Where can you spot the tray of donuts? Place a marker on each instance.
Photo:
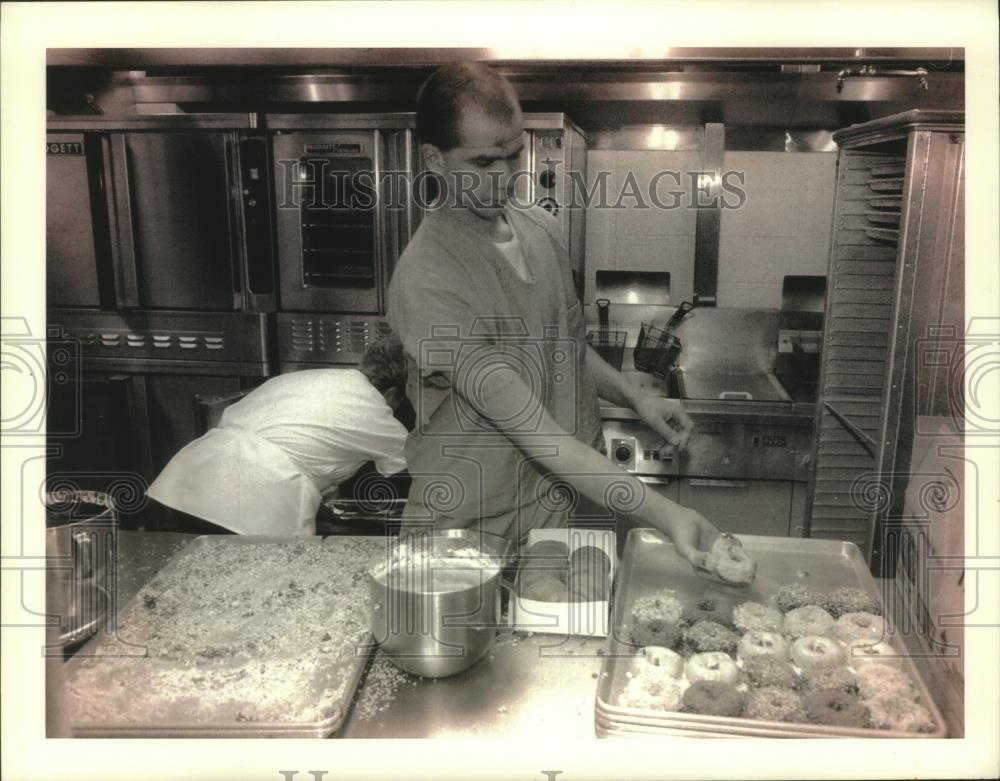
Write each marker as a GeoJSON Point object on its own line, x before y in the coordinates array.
{"type": "Point", "coordinates": [802, 651]}
{"type": "Point", "coordinates": [564, 581]}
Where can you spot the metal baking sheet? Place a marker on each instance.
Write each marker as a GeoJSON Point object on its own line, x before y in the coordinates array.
{"type": "Point", "coordinates": [358, 551]}
{"type": "Point", "coordinates": [650, 563]}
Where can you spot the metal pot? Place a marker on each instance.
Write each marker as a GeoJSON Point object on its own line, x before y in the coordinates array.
{"type": "Point", "coordinates": [80, 548]}
{"type": "Point", "coordinates": [437, 621]}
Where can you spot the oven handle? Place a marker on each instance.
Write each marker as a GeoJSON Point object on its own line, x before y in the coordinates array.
{"type": "Point", "coordinates": [711, 483]}
{"type": "Point", "coordinates": [122, 228]}
{"type": "Point", "coordinates": [655, 480]}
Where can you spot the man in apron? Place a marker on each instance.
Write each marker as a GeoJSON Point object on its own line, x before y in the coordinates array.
{"type": "Point", "coordinates": [504, 385]}
{"type": "Point", "coordinates": [266, 466]}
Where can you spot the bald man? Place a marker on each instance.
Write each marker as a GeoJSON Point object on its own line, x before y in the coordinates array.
{"type": "Point", "coordinates": [503, 382]}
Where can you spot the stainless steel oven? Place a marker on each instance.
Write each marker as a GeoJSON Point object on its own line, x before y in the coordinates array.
{"type": "Point", "coordinates": [343, 216]}
{"type": "Point", "coordinates": [159, 213]}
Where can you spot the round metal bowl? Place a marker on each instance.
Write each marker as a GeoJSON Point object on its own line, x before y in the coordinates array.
{"type": "Point", "coordinates": [439, 620]}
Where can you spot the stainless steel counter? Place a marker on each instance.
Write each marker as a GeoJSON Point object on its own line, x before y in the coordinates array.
{"type": "Point", "coordinates": [527, 686]}
{"type": "Point", "coordinates": [527, 683]}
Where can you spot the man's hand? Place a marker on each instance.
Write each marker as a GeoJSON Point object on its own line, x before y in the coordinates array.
{"type": "Point", "coordinates": [692, 535]}
{"type": "Point", "coordinates": [666, 417]}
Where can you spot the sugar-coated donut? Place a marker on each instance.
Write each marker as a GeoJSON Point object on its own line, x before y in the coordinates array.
{"type": "Point", "coordinates": [663, 604]}
{"type": "Point", "coordinates": [669, 663]}
{"type": "Point", "coordinates": [714, 698]}
{"type": "Point", "coordinates": [807, 620]}
{"type": "Point", "coordinates": [893, 711]}
{"type": "Point", "coordinates": [753, 615]}
{"type": "Point", "coordinates": [774, 703]}
{"type": "Point", "coordinates": [864, 628]}
{"type": "Point", "coordinates": [813, 652]}
{"type": "Point", "coordinates": [651, 692]}
{"type": "Point", "coordinates": [836, 708]}
{"type": "Point", "coordinates": [709, 636]}
{"type": "Point", "coordinates": [878, 678]}
{"type": "Point", "coordinates": [656, 631]}
{"type": "Point", "coordinates": [793, 595]}
{"type": "Point", "coordinates": [850, 600]}
{"type": "Point", "coordinates": [710, 608]}
{"type": "Point", "coordinates": [760, 643]}
{"type": "Point", "coordinates": [728, 560]}
{"type": "Point", "coordinates": [656, 619]}
{"type": "Point", "coordinates": [839, 678]}
{"type": "Point", "coordinates": [770, 671]}
{"type": "Point", "coordinates": [712, 666]}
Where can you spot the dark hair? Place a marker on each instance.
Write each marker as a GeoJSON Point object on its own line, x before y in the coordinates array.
{"type": "Point", "coordinates": [384, 363]}
{"type": "Point", "coordinates": [450, 90]}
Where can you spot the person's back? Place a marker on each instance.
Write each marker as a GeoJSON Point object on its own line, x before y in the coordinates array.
{"type": "Point", "coordinates": [326, 420]}
{"type": "Point", "coordinates": [264, 468]}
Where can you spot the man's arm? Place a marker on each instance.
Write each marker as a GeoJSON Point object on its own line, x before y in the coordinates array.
{"type": "Point", "coordinates": [665, 416]}
{"type": "Point", "coordinates": [579, 465]}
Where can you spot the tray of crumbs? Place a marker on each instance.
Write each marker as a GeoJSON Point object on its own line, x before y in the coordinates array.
{"type": "Point", "coordinates": [235, 637]}
{"type": "Point", "coordinates": [802, 652]}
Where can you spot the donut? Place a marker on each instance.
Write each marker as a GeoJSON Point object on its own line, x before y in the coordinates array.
{"type": "Point", "coordinates": [865, 628]}
{"type": "Point", "coordinates": [895, 712]}
{"type": "Point", "coordinates": [836, 709]}
{"type": "Point", "coordinates": [668, 662]}
{"type": "Point", "coordinates": [753, 615]}
{"type": "Point", "coordinates": [708, 636]}
{"type": "Point", "coordinates": [593, 556]}
{"type": "Point", "coordinates": [808, 620]}
{"type": "Point", "coordinates": [760, 643]}
{"type": "Point", "coordinates": [839, 678]}
{"type": "Point", "coordinates": [770, 671]}
{"type": "Point", "coordinates": [710, 608]}
{"type": "Point", "coordinates": [712, 666]}
{"type": "Point", "coordinates": [813, 652]}
{"type": "Point", "coordinates": [793, 595]}
{"type": "Point", "coordinates": [527, 577]}
{"type": "Point", "coordinates": [656, 619]}
{"type": "Point", "coordinates": [878, 678]}
{"type": "Point", "coordinates": [588, 582]}
{"type": "Point", "coordinates": [546, 589]}
{"type": "Point", "coordinates": [850, 600]}
{"type": "Point", "coordinates": [728, 561]}
{"type": "Point", "coordinates": [663, 604]}
{"type": "Point", "coordinates": [556, 549]}
{"type": "Point", "coordinates": [774, 703]}
{"type": "Point", "coordinates": [713, 698]}
{"type": "Point", "coordinates": [651, 692]}
{"type": "Point", "coordinates": [655, 631]}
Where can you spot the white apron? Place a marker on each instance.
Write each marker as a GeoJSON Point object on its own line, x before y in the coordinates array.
{"type": "Point", "coordinates": [244, 483]}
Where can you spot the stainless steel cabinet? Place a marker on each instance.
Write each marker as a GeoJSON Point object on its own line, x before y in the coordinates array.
{"type": "Point", "coordinates": [741, 506]}
{"type": "Point", "coordinates": [892, 311]}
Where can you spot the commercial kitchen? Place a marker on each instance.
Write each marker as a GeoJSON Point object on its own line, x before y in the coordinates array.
{"type": "Point", "coordinates": [805, 303]}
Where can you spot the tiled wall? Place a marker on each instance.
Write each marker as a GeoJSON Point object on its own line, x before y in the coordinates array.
{"type": "Point", "coordinates": [636, 239]}
{"type": "Point", "coordinates": [784, 227]}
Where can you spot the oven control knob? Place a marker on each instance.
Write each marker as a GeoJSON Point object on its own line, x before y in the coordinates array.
{"type": "Point", "coordinates": [547, 179]}
{"type": "Point", "coordinates": [623, 453]}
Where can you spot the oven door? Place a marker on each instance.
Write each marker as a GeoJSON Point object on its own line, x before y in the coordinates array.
{"type": "Point", "coordinates": [77, 246]}
{"type": "Point", "coordinates": [177, 223]}
{"type": "Point", "coordinates": [330, 220]}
